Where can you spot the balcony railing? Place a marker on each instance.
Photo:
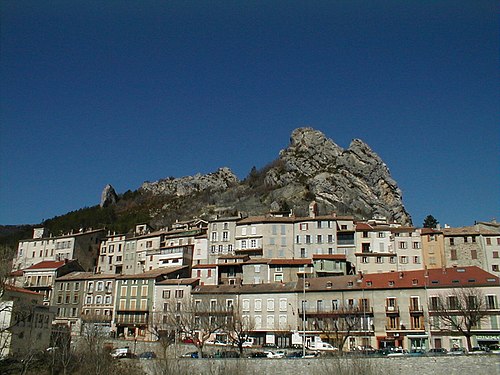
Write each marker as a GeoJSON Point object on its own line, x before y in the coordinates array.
{"type": "Point", "coordinates": [324, 311]}
{"type": "Point", "coordinates": [392, 309]}
{"type": "Point", "coordinates": [416, 309]}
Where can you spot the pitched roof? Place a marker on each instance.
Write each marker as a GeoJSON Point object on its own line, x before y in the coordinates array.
{"type": "Point", "coordinates": [329, 256]}
{"type": "Point", "coordinates": [47, 265]}
{"type": "Point", "coordinates": [289, 262]}
{"type": "Point", "coordinates": [189, 281]}
{"type": "Point", "coordinates": [153, 273]}
{"type": "Point", "coordinates": [77, 275]}
{"type": "Point", "coordinates": [17, 289]}
{"type": "Point", "coordinates": [431, 278]}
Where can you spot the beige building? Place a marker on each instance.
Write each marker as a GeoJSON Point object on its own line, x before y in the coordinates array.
{"type": "Point", "coordinates": [432, 248]}
{"type": "Point", "coordinates": [82, 246]}
{"type": "Point", "coordinates": [25, 323]}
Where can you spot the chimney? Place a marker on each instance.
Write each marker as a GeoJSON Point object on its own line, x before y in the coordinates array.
{"type": "Point", "coordinates": [313, 209]}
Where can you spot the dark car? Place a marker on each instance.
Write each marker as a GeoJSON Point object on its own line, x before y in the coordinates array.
{"type": "Point", "coordinates": [190, 355]}
{"type": "Point", "coordinates": [437, 351]}
{"type": "Point", "coordinates": [294, 355]}
{"type": "Point", "coordinates": [147, 355]}
{"type": "Point", "coordinates": [258, 355]}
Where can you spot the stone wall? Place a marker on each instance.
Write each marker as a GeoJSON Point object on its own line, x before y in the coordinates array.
{"type": "Point", "coordinates": [449, 365]}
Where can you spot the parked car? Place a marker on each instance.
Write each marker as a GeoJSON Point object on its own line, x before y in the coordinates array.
{"type": "Point", "coordinates": [121, 353]}
{"type": "Point", "coordinates": [294, 355]}
{"type": "Point", "coordinates": [457, 351]}
{"type": "Point", "coordinates": [437, 351]}
{"type": "Point", "coordinates": [258, 355]}
{"type": "Point", "coordinates": [494, 348]}
{"type": "Point", "coordinates": [147, 355]}
{"type": "Point", "coordinates": [398, 353]}
{"type": "Point", "coordinates": [190, 355]}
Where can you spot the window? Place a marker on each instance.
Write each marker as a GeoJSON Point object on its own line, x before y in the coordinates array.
{"type": "Point", "coordinates": [379, 260]}
{"type": "Point", "coordinates": [452, 302]}
{"type": "Point", "coordinates": [365, 247]}
{"type": "Point", "coordinates": [303, 226]}
{"type": "Point", "coordinates": [133, 291]}
{"type": "Point", "coordinates": [452, 241]}
{"type": "Point", "coordinates": [246, 305]}
{"type": "Point", "coordinates": [98, 300]}
{"type": "Point", "coordinates": [495, 254]}
{"type": "Point", "coordinates": [214, 236]}
{"type": "Point", "coordinates": [416, 259]}
{"type": "Point", "coordinates": [330, 238]}
{"type": "Point", "coordinates": [270, 304]}
{"type": "Point", "coordinates": [243, 244]}
{"type": "Point", "coordinates": [303, 253]}
{"type": "Point", "coordinates": [319, 238]}
{"type": "Point", "coordinates": [278, 277]}
{"type": "Point", "coordinates": [308, 239]}
{"type": "Point", "coordinates": [365, 235]}
{"type": "Point", "coordinates": [258, 305]}
{"type": "Point", "coordinates": [283, 304]}
{"type": "Point", "coordinates": [88, 300]}
{"type": "Point", "coordinates": [253, 244]}
{"type": "Point", "coordinates": [495, 268]}
{"type": "Point", "coordinates": [179, 293]}
{"type": "Point", "coordinates": [403, 245]}
{"type": "Point", "coordinates": [225, 236]}
{"type": "Point", "coordinates": [144, 291]}
{"type": "Point", "coordinates": [473, 253]}
{"type": "Point", "coordinates": [403, 259]}
{"type": "Point", "coordinates": [166, 294]}
{"type": "Point", "coordinates": [107, 300]}
{"type": "Point", "coordinates": [491, 302]}
{"type": "Point", "coordinates": [416, 245]}
{"type": "Point", "coordinates": [453, 254]}
{"type": "Point", "coordinates": [381, 234]}
{"type": "Point", "coordinates": [392, 260]}
{"type": "Point", "coordinates": [364, 260]}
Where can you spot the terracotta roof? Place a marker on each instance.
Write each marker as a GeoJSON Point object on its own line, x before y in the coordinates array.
{"type": "Point", "coordinates": [204, 266]}
{"type": "Point", "coordinates": [329, 256]}
{"type": "Point", "coordinates": [430, 231]}
{"type": "Point", "coordinates": [363, 227]}
{"type": "Point", "coordinates": [266, 219]}
{"type": "Point", "coordinates": [47, 264]}
{"type": "Point", "coordinates": [17, 273]}
{"type": "Point", "coordinates": [447, 277]}
{"type": "Point", "coordinates": [17, 289]}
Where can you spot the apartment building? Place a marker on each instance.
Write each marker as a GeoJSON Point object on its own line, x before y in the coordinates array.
{"type": "Point", "coordinates": [134, 301]}
{"type": "Point", "coordinates": [384, 247]}
{"type": "Point", "coordinates": [25, 322]}
{"type": "Point", "coordinates": [381, 310]}
{"type": "Point", "coordinates": [472, 246]}
{"type": "Point", "coordinates": [111, 254]}
{"type": "Point", "coordinates": [82, 245]}
{"type": "Point", "coordinates": [221, 236]}
{"type": "Point", "coordinates": [41, 277]}
{"type": "Point", "coordinates": [432, 248]}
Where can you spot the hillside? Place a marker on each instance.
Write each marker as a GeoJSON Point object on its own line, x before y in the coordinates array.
{"type": "Point", "coordinates": [352, 181]}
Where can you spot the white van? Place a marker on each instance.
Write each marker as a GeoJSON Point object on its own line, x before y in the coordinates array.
{"type": "Point", "coordinates": [320, 345]}
{"type": "Point", "coordinates": [121, 352]}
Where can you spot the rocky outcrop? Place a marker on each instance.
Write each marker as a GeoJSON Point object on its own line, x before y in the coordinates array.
{"type": "Point", "coordinates": [108, 196]}
{"type": "Point", "coordinates": [220, 180]}
{"type": "Point", "coordinates": [354, 181]}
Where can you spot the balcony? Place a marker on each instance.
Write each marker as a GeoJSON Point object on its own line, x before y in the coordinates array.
{"type": "Point", "coordinates": [416, 310]}
{"type": "Point", "coordinates": [392, 310]}
{"type": "Point", "coordinates": [131, 318]}
{"type": "Point", "coordinates": [329, 312]}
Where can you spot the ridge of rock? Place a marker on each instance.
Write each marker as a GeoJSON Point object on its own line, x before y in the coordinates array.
{"type": "Point", "coordinates": [220, 180]}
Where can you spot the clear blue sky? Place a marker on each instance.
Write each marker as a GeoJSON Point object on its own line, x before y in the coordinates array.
{"type": "Point", "coordinates": [120, 92]}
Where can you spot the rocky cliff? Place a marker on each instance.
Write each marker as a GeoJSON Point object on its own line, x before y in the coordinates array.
{"type": "Point", "coordinates": [353, 181]}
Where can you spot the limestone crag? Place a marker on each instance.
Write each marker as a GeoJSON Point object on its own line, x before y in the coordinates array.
{"type": "Point", "coordinates": [354, 180]}
{"type": "Point", "coordinates": [220, 180]}
{"type": "Point", "coordinates": [108, 196]}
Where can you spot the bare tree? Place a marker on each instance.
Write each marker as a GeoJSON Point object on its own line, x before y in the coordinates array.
{"type": "Point", "coordinates": [338, 325]}
{"type": "Point", "coordinates": [92, 350]}
{"type": "Point", "coordinates": [458, 312]}
{"type": "Point", "coordinates": [238, 326]}
{"type": "Point", "coordinates": [198, 321]}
